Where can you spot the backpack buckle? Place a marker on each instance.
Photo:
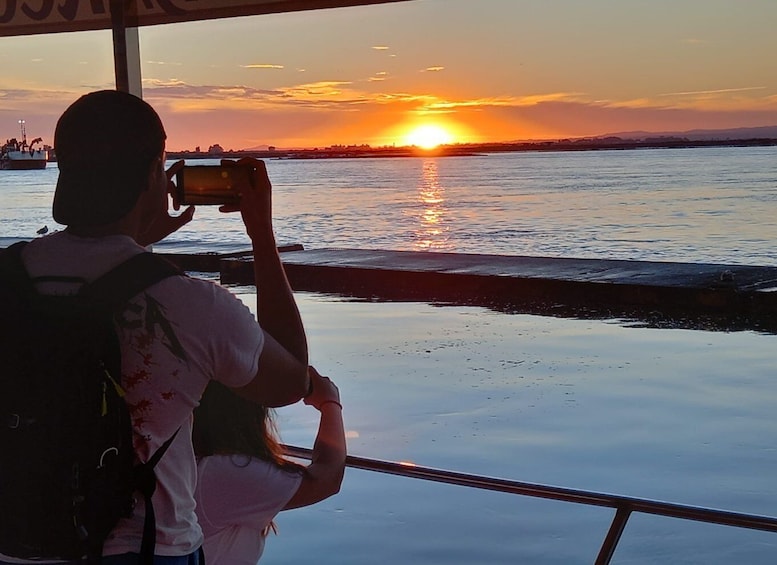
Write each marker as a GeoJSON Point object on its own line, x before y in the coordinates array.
{"type": "Point", "coordinates": [109, 451]}
{"type": "Point", "coordinates": [14, 420]}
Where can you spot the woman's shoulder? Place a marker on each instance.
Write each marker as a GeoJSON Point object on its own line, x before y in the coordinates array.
{"type": "Point", "coordinates": [238, 487]}
{"type": "Point", "coordinates": [245, 467]}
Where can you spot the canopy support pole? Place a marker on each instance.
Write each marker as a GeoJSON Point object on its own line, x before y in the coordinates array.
{"type": "Point", "coordinates": [126, 51]}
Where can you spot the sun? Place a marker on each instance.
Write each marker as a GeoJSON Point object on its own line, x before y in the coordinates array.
{"type": "Point", "coordinates": [428, 136]}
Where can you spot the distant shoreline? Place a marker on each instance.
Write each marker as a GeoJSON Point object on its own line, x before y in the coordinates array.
{"type": "Point", "coordinates": [473, 149]}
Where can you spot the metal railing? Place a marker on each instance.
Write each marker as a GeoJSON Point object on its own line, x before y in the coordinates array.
{"type": "Point", "coordinates": [624, 506]}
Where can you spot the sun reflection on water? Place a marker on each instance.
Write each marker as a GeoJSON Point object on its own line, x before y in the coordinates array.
{"type": "Point", "coordinates": [431, 233]}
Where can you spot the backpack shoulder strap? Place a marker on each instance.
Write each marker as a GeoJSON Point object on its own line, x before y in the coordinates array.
{"type": "Point", "coordinates": [109, 292]}
{"type": "Point", "coordinates": [13, 275]}
{"type": "Point", "coordinates": [112, 289]}
{"type": "Point", "coordinates": [145, 480]}
{"type": "Point", "coordinates": [123, 282]}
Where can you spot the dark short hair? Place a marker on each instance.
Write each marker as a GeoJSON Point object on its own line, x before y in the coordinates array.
{"type": "Point", "coordinates": [105, 143]}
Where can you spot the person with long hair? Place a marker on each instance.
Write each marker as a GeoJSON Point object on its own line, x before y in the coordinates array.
{"type": "Point", "coordinates": [243, 478]}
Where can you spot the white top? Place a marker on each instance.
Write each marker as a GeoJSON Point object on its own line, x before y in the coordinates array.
{"type": "Point", "coordinates": [175, 337]}
{"type": "Point", "coordinates": [237, 498]}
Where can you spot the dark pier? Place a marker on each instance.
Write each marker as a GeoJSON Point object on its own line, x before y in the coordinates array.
{"type": "Point", "coordinates": [658, 294]}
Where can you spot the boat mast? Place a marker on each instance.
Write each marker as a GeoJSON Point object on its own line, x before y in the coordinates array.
{"type": "Point", "coordinates": [24, 133]}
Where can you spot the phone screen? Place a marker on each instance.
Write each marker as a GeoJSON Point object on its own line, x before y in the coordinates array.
{"type": "Point", "coordinates": [211, 184]}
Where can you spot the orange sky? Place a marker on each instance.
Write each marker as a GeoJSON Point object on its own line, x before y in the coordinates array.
{"type": "Point", "coordinates": [491, 70]}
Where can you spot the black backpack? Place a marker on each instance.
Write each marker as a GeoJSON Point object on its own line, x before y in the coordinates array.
{"type": "Point", "coordinates": [67, 469]}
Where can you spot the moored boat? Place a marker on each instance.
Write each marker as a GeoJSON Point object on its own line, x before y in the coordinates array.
{"type": "Point", "coordinates": [20, 155]}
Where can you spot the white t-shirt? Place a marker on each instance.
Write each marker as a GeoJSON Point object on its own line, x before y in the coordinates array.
{"type": "Point", "coordinates": [237, 498]}
{"type": "Point", "coordinates": [175, 337]}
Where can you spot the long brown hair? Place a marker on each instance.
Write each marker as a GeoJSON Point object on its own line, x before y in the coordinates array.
{"type": "Point", "coordinates": [226, 423]}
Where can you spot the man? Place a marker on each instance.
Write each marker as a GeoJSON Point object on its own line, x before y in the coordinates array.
{"type": "Point", "coordinates": [112, 196]}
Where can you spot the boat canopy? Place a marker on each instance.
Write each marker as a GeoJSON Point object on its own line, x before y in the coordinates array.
{"type": "Point", "coordinates": [31, 17]}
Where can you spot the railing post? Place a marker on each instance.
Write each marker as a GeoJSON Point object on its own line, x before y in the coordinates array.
{"type": "Point", "coordinates": [613, 535]}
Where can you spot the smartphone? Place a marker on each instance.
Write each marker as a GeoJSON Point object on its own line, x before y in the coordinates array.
{"type": "Point", "coordinates": [211, 184]}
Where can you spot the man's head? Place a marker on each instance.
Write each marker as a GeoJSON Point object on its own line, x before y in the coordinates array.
{"type": "Point", "coordinates": [106, 143]}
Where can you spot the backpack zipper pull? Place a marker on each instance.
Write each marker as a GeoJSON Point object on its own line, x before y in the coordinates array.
{"type": "Point", "coordinates": [116, 386]}
{"type": "Point", "coordinates": [119, 390]}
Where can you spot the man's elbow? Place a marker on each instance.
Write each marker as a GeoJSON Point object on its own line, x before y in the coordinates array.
{"type": "Point", "coordinates": [276, 386]}
{"type": "Point", "coordinates": [296, 385]}
{"type": "Point", "coordinates": [303, 384]}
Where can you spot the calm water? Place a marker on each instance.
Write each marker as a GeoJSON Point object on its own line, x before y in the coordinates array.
{"type": "Point", "coordinates": [677, 415]}
{"type": "Point", "coordinates": [700, 205]}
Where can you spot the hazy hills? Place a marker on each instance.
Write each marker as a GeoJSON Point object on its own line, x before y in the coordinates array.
{"type": "Point", "coordinates": [763, 132]}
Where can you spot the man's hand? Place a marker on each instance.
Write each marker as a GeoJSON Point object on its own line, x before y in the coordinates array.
{"type": "Point", "coordinates": [165, 224]}
{"type": "Point", "coordinates": [255, 201]}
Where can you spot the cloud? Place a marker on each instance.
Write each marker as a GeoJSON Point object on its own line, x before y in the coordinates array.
{"type": "Point", "coordinates": [175, 89]}
{"type": "Point", "coordinates": [36, 96]}
{"type": "Point", "coordinates": [164, 63]}
{"type": "Point", "coordinates": [432, 69]}
{"type": "Point", "coordinates": [380, 47]}
{"type": "Point", "coordinates": [322, 89]}
{"type": "Point", "coordinates": [340, 95]}
{"type": "Point", "coordinates": [261, 66]}
{"type": "Point", "coordinates": [634, 103]}
{"type": "Point", "coordinates": [730, 99]}
{"type": "Point", "coordinates": [48, 105]}
{"type": "Point", "coordinates": [180, 96]}
{"type": "Point", "coordinates": [718, 91]}
{"type": "Point", "coordinates": [436, 105]}
{"type": "Point", "coordinates": [346, 111]}
{"type": "Point", "coordinates": [578, 119]}
{"type": "Point", "coordinates": [719, 99]}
